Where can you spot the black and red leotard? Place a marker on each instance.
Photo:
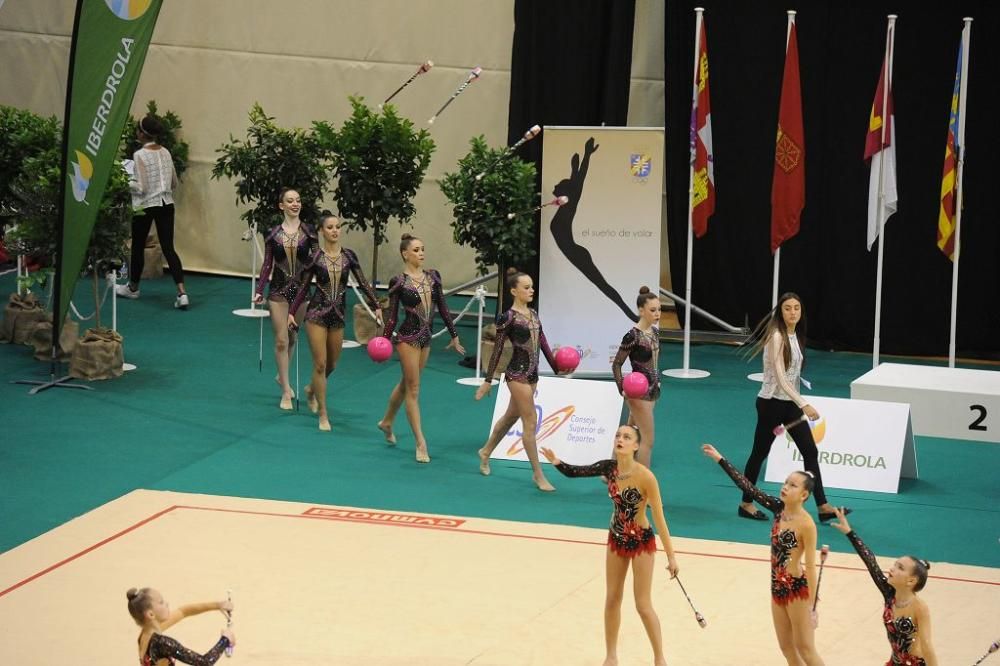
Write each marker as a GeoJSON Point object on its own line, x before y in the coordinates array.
{"type": "Point", "coordinates": [419, 297]}
{"type": "Point", "coordinates": [785, 588]}
{"type": "Point", "coordinates": [900, 630]}
{"type": "Point", "coordinates": [643, 351]}
{"type": "Point", "coordinates": [328, 304]}
{"type": "Point", "coordinates": [284, 256]}
{"type": "Point", "coordinates": [626, 535]}
{"type": "Point", "coordinates": [163, 647]}
{"type": "Point", "coordinates": [526, 338]}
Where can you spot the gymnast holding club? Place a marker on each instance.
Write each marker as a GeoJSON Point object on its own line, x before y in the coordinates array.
{"type": "Point", "coordinates": [151, 612]}
{"type": "Point", "coordinates": [793, 582]}
{"type": "Point", "coordinates": [633, 489]}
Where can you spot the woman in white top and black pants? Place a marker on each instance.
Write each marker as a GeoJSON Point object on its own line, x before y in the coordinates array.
{"type": "Point", "coordinates": [779, 401]}
{"type": "Point", "coordinates": [152, 187]}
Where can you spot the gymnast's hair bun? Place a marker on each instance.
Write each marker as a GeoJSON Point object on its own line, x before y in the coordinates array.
{"type": "Point", "coordinates": [643, 289]}
{"type": "Point", "coordinates": [406, 237]}
{"type": "Point", "coordinates": [132, 594]}
{"type": "Point", "coordinates": [512, 271]}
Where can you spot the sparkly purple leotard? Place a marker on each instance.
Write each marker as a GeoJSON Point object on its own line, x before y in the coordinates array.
{"type": "Point", "coordinates": [785, 588]}
{"type": "Point", "coordinates": [165, 648]}
{"type": "Point", "coordinates": [284, 256]}
{"type": "Point", "coordinates": [419, 297]}
{"type": "Point", "coordinates": [900, 630]}
{"type": "Point", "coordinates": [626, 536]}
{"type": "Point", "coordinates": [643, 351]}
{"type": "Point", "coordinates": [329, 300]}
{"type": "Point", "coordinates": [526, 338]}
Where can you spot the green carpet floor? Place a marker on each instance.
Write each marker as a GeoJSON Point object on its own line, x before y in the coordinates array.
{"type": "Point", "coordinates": [197, 416]}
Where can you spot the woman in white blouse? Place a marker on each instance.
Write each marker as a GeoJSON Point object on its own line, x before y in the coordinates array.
{"type": "Point", "coordinates": [152, 184]}
{"type": "Point", "coordinates": [779, 402]}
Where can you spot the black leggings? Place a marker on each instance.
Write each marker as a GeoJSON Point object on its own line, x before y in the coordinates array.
{"type": "Point", "coordinates": [163, 217]}
{"type": "Point", "coordinates": [770, 413]}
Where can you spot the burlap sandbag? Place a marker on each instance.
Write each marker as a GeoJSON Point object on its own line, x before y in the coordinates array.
{"type": "Point", "coordinates": [97, 355]}
{"type": "Point", "coordinates": [19, 317]}
{"type": "Point", "coordinates": [41, 339]}
{"type": "Point", "coordinates": [365, 327]}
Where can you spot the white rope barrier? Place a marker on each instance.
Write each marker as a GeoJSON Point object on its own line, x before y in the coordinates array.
{"type": "Point", "coordinates": [100, 304]}
{"type": "Point", "coordinates": [461, 314]}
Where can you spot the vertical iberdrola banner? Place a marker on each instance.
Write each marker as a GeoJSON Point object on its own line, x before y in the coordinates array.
{"type": "Point", "coordinates": [110, 40]}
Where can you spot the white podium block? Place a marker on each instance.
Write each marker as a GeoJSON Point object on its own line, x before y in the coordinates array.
{"type": "Point", "coordinates": [863, 445]}
{"type": "Point", "coordinates": [577, 418]}
{"type": "Point", "coordinates": [957, 403]}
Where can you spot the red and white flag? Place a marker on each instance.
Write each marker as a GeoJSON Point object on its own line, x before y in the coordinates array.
{"type": "Point", "coordinates": [703, 197]}
{"type": "Point", "coordinates": [882, 153]}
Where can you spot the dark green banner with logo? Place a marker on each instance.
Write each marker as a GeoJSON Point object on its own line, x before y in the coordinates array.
{"type": "Point", "coordinates": [110, 40]}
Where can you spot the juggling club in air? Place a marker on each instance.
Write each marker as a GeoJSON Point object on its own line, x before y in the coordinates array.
{"type": "Point", "coordinates": [558, 201]}
{"type": "Point", "coordinates": [423, 69]}
{"type": "Point", "coordinates": [528, 136]}
{"type": "Point", "coordinates": [473, 75]}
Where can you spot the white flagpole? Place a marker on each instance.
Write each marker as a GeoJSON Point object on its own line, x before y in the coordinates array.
{"type": "Point", "coordinates": [686, 372]}
{"type": "Point", "coordinates": [966, 40]}
{"type": "Point", "coordinates": [890, 37]}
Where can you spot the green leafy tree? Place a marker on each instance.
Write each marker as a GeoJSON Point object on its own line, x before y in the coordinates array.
{"type": "Point", "coordinates": [380, 162]}
{"type": "Point", "coordinates": [480, 207]}
{"type": "Point", "coordinates": [23, 136]}
{"type": "Point", "coordinates": [37, 190]}
{"type": "Point", "coordinates": [171, 125]}
{"type": "Point", "coordinates": [269, 159]}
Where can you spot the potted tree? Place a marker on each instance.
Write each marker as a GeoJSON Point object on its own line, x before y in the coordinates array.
{"type": "Point", "coordinates": [379, 160]}
{"type": "Point", "coordinates": [272, 157]}
{"type": "Point", "coordinates": [37, 190]}
{"type": "Point", "coordinates": [480, 209]}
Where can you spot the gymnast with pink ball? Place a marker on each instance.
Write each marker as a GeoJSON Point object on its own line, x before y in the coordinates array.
{"type": "Point", "coordinates": [641, 387]}
{"type": "Point", "coordinates": [521, 325]}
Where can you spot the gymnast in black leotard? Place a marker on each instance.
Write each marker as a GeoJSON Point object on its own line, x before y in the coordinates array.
{"type": "Point", "coordinates": [287, 249]}
{"type": "Point", "coordinates": [632, 488]}
{"type": "Point", "coordinates": [325, 316]}
{"type": "Point", "coordinates": [562, 227]}
{"type": "Point", "coordinates": [793, 539]}
{"type": "Point", "coordinates": [153, 614]}
{"type": "Point", "coordinates": [521, 325]}
{"type": "Point", "coordinates": [641, 347]}
{"type": "Point", "coordinates": [419, 291]}
{"type": "Point", "coordinates": [906, 617]}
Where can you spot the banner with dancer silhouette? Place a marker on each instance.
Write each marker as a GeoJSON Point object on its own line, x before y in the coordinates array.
{"type": "Point", "coordinates": [604, 243]}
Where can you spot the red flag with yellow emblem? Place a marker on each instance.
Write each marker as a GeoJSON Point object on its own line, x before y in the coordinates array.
{"type": "Point", "coordinates": [788, 188]}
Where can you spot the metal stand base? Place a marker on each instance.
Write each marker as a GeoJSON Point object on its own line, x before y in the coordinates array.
{"type": "Point", "coordinates": [252, 313]}
{"type": "Point", "coordinates": [756, 376]}
{"type": "Point", "coordinates": [351, 344]}
{"type": "Point", "coordinates": [475, 381]}
{"type": "Point", "coordinates": [690, 373]}
{"type": "Point", "coordinates": [62, 382]}
{"type": "Point", "coordinates": [128, 367]}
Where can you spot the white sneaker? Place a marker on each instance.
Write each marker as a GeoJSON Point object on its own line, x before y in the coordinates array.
{"type": "Point", "coordinates": [125, 291]}
{"type": "Point", "coordinates": [181, 302]}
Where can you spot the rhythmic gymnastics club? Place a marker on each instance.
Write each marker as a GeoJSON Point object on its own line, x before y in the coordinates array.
{"type": "Point", "coordinates": [558, 201]}
{"type": "Point", "coordinates": [424, 68]}
{"type": "Point", "coordinates": [229, 622]}
{"type": "Point", "coordinates": [782, 427]}
{"type": "Point", "coordinates": [473, 75]}
{"type": "Point", "coordinates": [702, 622]}
{"type": "Point", "coordinates": [823, 552]}
{"type": "Point", "coordinates": [993, 648]}
{"type": "Point", "coordinates": [260, 349]}
{"type": "Point", "coordinates": [298, 343]}
{"type": "Point", "coordinates": [528, 136]}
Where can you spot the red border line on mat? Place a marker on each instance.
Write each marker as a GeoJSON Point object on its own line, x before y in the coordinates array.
{"type": "Point", "coordinates": [437, 528]}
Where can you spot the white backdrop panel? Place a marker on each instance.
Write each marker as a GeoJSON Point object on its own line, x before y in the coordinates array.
{"type": "Point", "coordinates": [597, 250]}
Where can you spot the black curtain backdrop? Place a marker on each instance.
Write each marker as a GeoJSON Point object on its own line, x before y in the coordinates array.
{"type": "Point", "coordinates": [841, 46]}
{"type": "Point", "coordinates": [570, 65]}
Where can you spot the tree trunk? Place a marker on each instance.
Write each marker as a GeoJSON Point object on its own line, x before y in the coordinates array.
{"type": "Point", "coordinates": [374, 273]}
